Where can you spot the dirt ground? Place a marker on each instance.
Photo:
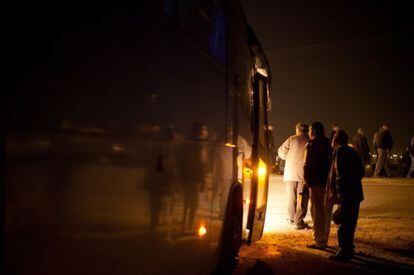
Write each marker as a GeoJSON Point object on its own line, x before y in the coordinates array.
{"type": "Point", "coordinates": [384, 242]}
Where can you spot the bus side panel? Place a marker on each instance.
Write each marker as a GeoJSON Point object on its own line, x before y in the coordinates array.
{"type": "Point", "coordinates": [115, 154]}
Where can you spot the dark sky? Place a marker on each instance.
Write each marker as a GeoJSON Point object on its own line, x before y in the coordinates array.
{"type": "Point", "coordinates": [346, 62]}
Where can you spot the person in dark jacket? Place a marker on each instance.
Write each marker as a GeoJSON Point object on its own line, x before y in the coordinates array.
{"type": "Point", "coordinates": [360, 145]}
{"type": "Point", "coordinates": [383, 144]}
{"type": "Point", "coordinates": [316, 168]}
{"type": "Point", "coordinates": [345, 189]}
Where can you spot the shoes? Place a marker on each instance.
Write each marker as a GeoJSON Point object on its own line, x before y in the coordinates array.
{"type": "Point", "coordinates": [302, 226]}
{"type": "Point", "coordinates": [341, 257]}
{"type": "Point", "coordinates": [315, 246]}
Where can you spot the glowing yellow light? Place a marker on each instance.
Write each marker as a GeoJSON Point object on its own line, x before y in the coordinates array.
{"type": "Point", "coordinates": [230, 145]}
{"type": "Point", "coordinates": [262, 169]}
{"type": "Point", "coordinates": [202, 231]}
{"type": "Point", "coordinates": [261, 181]}
{"type": "Point", "coordinates": [247, 170]}
{"type": "Point", "coordinates": [246, 201]}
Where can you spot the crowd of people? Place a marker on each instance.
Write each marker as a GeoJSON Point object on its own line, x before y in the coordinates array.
{"type": "Point", "coordinates": [378, 163]}
{"type": "Point", "coordinates": [328, 172]}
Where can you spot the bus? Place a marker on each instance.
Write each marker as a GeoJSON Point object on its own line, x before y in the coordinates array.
{"type": "Point", "coordinates": [136, 138]}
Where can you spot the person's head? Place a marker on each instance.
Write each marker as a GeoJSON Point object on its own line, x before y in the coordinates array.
{"type": "Point", "coordinates": [301, 128]}
{"type": "Point", "coordinates": [340, 138]}
{"type": "Point", "coordinates": [385, 127]}
{"type": "Point", "coordinates": [316, 130]}
{"type": "Point", "coordinates": [199, 131]}
{"type": "Point", "coordinates": [270, 127]}
{"type": "Point", "coordinates": [360, 131]}
{"type": "Point", "coordinates": [335, 127]}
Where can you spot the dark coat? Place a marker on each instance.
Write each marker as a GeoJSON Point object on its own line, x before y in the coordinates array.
{"type": "Point", "coordinates": [345, 174]}
{"type": "Point", "coordinates": [360, 144]}
{"type": "Point", "coordinates": [317, 159]}
{"type": "Point", "coordinates": [383, 140]}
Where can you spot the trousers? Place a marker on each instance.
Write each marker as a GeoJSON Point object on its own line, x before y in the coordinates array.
{"type": "Point", "coordinates": [298, 197]}
{"type": "Point", "coordinates": [321, 215]}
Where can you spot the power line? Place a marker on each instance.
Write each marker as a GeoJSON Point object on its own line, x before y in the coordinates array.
{"type": "Point", "coordinates": [329, 68]}
{"type": "Point", "coordinates": [335, 45]}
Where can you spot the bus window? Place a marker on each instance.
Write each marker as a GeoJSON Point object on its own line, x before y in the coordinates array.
{"type": "Point", "coordinates": [203, 21]}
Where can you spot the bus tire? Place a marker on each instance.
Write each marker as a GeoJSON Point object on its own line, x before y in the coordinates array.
{"type": "Point", "coordinates": [232, 232]}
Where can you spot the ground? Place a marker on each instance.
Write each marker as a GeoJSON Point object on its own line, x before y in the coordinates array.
{"type": "Point", "coordinates": [384, 238]}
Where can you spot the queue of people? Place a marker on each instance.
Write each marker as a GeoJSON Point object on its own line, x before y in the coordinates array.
{"type": "Point", "coordinates": [328, 172]}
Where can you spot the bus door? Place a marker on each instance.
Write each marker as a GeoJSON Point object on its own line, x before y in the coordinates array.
{"type": "Point", "coordinates": [260, 160]}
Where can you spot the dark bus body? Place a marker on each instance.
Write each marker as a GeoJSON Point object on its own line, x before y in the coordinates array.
{"type": "Point", "coordinates": [136, 139]}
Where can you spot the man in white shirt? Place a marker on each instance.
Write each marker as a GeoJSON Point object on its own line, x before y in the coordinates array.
{"type": "Point", "coordinates": [293, 152]}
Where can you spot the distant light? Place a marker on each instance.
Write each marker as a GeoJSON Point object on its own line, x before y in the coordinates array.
{"type": "Point", "coordinates": [118, 148]}
{"type": "Point", "coordinates": [246, 201]}
{"type": "Point", "coordinates": [202, 231]}
{"type": "Point", "coordinates": [246, 233]}
{"type": "Point", "coordinates": [230, 145]}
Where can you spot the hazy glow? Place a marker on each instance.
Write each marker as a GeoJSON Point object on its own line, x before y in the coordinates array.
{"type": "Point", "coordinates": [276, 213]}
{"type": "Point", "coordinates": [202, 231]}
{"type": "Point", "coordinates": [262, 177]}
{"type": "Point", "coordinates": [262, 169]}
{"type": "Point", "coordinates": [118, 148]}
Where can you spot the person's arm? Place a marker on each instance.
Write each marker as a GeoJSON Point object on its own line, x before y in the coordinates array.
{"type": "Point", "coordinates": [308, 165]}
{"type": "Point", "coordinates": [284, 149]}
{"type": "Point", "coordinates": [340, 173]}
{"type": "Point", "coordinates": [374, 141]}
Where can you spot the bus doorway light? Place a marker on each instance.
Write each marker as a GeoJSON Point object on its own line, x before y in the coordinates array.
{"type": "Point", "coordinates": [202, 231]}
{"type": "Point", "coordinates": [261, 183]}
{"type": "Point", "coordinates": [262, 170]}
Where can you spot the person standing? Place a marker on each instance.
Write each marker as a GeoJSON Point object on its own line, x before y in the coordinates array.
{"type": "Point", "coordinates": [345, 189]}
{"type": "Point", "coordinates": [316, 168]}
{"type": "Point", "coordinates": [411, 152]}
{"type": "Point", "coordinates": [383, 144]}
{"type": "Point", "coordinates": [293, 151]}
{"type": "Point", "coordinates": [335, 129]}
{"type": "Point", "coordinates": [360, 145]}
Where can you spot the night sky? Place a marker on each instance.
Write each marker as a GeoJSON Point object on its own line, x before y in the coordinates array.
{"type": "Point", "coordinates": [345, 62]}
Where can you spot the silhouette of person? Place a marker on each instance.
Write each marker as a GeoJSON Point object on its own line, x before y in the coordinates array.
{"type": "Point", "coordinates": [360, 145]}
{"type": "Point", "coordinates": [316, 168]}
{"type": "Point", "coordinates": [383, 144]}
{"type": "Point", "coordinates": [345, 189]}
{"type": "Point", "coordinates": [161, 173]}
{"type": "Point", "coordinates": [192, 161]}
{"type": "Point", "coordinates": [411, 153]}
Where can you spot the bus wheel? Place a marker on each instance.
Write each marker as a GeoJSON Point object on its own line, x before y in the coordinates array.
{"type": "Point", "coordinates": [232, 234]}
